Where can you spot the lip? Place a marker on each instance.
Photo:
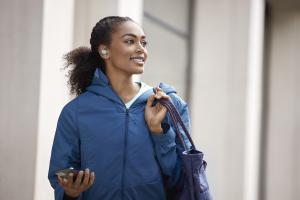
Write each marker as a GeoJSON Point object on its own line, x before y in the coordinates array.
{"type": "Point", "coordinates": [139, 60]}
{"type": "Point", "coordinates": [137, 57]}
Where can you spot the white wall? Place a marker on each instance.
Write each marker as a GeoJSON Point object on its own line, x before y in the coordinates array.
{"type": "Point", "coordinates": [218, 105]}
{"type": "Point", "coordinates": [57, 39]}
{"type": "Point", "coordinates": [20, 55]}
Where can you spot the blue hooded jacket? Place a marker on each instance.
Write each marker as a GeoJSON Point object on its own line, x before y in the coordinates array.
{"type": "Point", "coordinates": [96, 131]}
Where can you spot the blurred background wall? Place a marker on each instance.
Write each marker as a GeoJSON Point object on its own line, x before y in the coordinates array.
{"type": "Point", "coordinates": [281, 150]}
{"type": "Point", "coordinates": [236, 62]}
{"type": "Point", "coordinates": [20, 38]}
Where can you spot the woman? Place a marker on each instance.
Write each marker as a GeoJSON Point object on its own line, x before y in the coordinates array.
{"type": "Point", "coordinates": [114, 132]}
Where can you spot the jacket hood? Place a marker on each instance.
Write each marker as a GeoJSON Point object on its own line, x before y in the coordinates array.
{"type": "Point", "coordinates": [100, 86]}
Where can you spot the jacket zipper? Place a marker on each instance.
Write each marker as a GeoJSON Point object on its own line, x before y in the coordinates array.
{"type": "Point", "coordinates": [125, 151]}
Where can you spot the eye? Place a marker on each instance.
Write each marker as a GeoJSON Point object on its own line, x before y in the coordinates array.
{"type": "Point", "coordinates": [130, 41]}
{"type": "Point", "coordinates": [144, 43]}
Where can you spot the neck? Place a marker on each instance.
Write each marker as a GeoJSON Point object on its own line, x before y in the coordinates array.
{"type": "Point", "coordinates": [122, 84]}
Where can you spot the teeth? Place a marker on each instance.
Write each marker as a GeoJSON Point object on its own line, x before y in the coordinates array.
{"type": "Point", "coordinates": [138, 59]}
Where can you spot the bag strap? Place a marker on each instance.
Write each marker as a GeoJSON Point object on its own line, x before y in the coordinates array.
{"type": "Point", "coordinates": [176, 118]}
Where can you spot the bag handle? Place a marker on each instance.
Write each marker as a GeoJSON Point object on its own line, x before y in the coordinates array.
{"type": "Point", "coordinates": [176, 118]}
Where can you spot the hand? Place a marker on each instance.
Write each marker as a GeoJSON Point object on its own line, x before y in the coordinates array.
{"type": "Point", "coordinates": [154, 115]}
{"type": "Point", "coordinates": [83, 181]}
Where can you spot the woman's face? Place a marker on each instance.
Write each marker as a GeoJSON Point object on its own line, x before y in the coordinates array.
{"type": "Point", "coordinates": [127, 51]}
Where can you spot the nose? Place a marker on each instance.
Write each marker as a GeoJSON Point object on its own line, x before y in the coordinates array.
{"type": "Point", "coordinates": [140, 48]}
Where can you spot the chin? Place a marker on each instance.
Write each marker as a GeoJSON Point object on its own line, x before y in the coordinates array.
{"type": "Point", "coordinates": [139, 71]}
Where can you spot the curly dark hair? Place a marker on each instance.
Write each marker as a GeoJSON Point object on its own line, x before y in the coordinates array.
{"type": "Point", "coordinates": [83, 61]}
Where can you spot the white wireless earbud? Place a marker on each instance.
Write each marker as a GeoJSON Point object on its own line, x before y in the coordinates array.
{"type": "Point", "coordinates": [104, 52]}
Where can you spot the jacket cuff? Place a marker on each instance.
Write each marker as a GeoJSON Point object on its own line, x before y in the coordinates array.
{"type": "Point", "coordinates": [66, 197]}
{"type": "Point", "coordinates": [166, 138]}
{"type": "Point", "coordinates": [165, 127]}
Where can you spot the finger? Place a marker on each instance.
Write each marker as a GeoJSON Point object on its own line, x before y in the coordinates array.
{"type": "Point", "coordinates": [160, 95]}
{"type": "Point", "coordinates": [157, 96]}
{"type": "Point", "coordinates": [158, 88]}
{"type": "Point", "coordinates": [78, 179]}
{"type": "Point", "coordinates": [161, 114]}
{"type": "Point", "coordinates": [158, 106]}
{"type": "Point", "coordinates": [150, 100]}
{"type": "Point", "coordinates": [60, 180]}
{"type": "Point", "coordinates": [86, 178]}
{"type": "Point", "coordinates": [166, 96]}
{"type": "Point", "coordinates": [63, 182]}
{"type": "Point", "coordinates": [162, 109]}
{"type": "Point", "coordinates": [70, 180]}
{"type": "Point", "coordinates": [92, 178]}
{"type": "Point", "coordinates": [160, 92]}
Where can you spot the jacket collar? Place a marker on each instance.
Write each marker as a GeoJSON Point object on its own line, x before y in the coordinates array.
{"type": "Point", "coordinates": [100, 86]}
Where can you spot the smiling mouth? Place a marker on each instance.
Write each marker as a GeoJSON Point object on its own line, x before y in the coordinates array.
{"type": "Point", "coordinates": [138, 60]}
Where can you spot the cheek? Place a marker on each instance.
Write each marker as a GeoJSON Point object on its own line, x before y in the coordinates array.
{"type": "Point", "coordinates": [120, 55]}
{"type": "Point", "coordinates": [125, 52]}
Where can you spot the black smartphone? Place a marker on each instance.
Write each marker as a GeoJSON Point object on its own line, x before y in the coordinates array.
{"type": "Point", "coordinates": [65, 173]}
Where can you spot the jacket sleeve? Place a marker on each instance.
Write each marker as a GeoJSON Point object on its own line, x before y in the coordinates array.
{"type": "Point", "coordinates": [65, 149]}
{"type": "Point", "coordinates": [168, 148]}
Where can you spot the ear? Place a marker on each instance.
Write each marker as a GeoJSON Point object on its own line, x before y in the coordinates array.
{"type": "Point", "coordinates": [103, 51]}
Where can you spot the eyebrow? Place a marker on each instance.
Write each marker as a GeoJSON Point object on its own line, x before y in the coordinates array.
{"type": "Point", "coordinates": [132, 35]}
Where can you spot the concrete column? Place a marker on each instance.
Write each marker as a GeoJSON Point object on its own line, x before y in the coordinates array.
{"type": "Point", "coordinates": [20, 55]}
{"type": "Point", "coordinates": [282, 163]}
{"type": "Point", "coordinates": [57, 39]}
{"type": "Point", "coordinates": [132, 9]}
{"type": "Point", "coordinates": [220, 70]}
{"type": "Point", "coordinates": [88, 13]}
{"type": "Point", "coordinates": [254, 100]}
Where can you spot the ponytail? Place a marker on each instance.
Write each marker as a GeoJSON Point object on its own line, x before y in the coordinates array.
{"type": "Point", "coordinates": [82, 63]}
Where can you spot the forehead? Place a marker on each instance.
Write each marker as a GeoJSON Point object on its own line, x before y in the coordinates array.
{"type": "Point", "coordinates": [129, 28]}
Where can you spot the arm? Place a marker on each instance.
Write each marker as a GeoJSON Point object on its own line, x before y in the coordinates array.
{"type": "Point", "coordinates": [168, 148]}
{"type": "Point", "coordinates": [65, 150]}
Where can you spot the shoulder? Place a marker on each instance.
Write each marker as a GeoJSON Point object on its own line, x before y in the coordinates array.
{"type": "Point", "coordinates": [176, 99]}
{"type": "Point", "coordinates": [74, 103]}
{"type": "Point", "coordinates": [70, 108]}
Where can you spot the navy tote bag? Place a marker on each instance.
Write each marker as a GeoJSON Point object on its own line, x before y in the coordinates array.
{"type": "Point", "coordinates": [192, 184]}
